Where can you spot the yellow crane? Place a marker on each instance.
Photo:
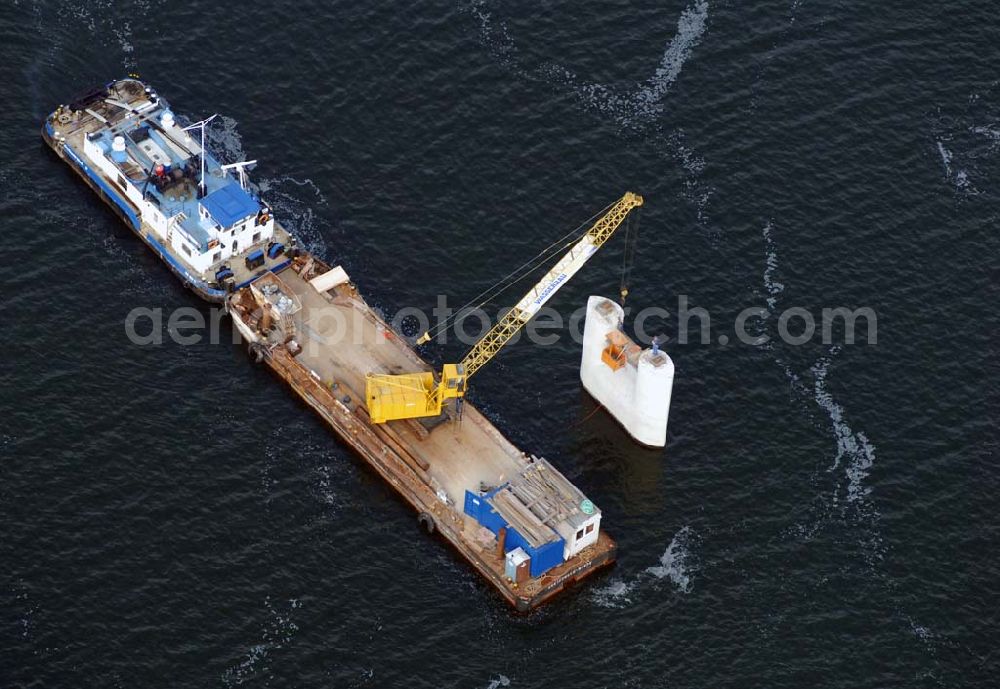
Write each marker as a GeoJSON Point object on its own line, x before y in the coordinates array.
{"type": "Point", "coordinates": [413, 395]}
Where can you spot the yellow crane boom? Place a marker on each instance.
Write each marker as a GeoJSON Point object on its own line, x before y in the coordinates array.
{"type": "Point", "coordinates": [413, 395]}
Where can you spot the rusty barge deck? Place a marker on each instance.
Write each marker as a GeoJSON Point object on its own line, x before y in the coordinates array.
{"type": "Point", "coordinates": [322, 342]}
{"type": "Point", "coordinates": [514, 517]}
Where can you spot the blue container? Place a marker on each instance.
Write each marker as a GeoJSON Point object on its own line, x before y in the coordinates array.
{"type": "Point", "coordinates": [546, 556]}
{"type": "Point", "coordinates": [543, 558]}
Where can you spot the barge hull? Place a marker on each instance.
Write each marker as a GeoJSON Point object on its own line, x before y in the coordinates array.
{"type": "Point", "coordinates": [365, 441]}
{"type": "Point", "coordinates": [430, 468]}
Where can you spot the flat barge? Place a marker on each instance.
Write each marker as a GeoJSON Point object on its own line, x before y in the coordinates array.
{"type": "Point", "coordinates": [512, 516]}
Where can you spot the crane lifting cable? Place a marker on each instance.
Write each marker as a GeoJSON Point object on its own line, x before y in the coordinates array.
{"type": "Point", "coordinates": [513, 277]}
{"type": "Point", "coordinates": [628, 255]}
{"type": "Point", "coordinates": [414, 395]}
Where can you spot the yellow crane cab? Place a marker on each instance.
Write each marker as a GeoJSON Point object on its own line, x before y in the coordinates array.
{"type": "Point", "coordinates": [415, 395]}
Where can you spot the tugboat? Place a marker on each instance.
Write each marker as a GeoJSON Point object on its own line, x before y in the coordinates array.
{"type": "Point", "coordinates": [154, 170]}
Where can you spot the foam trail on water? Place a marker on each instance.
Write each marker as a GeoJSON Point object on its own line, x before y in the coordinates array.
{"type": "Point", "coordinates": [921, 632]}
{"type": "Point", "coordinates": [992, 134]}
{"type": "Point", "coordinates": [690, 27]}
{"type": "Point", "coordinates": [224, 139]}
{"type": "Point", "coordinates": [772, 286]}
{"type": "Point", "coordinates": [851, 444]}
{"type": "Point", "coordinates": [498, 682]}
{"type": "Point", "coordinates": [854, 445]}
{"type": "Point", "coordinates": [278, 631]}
{"type": "Point", "coordinates": [614, 595]}
{"type": "Point", "coordinates": [945, 158]}
{"type": "Point", "coordinates": [772, 291]}
{"type": "Point", "coordinates": [673, 562]}
{"type": "Point", "coordinates": [639, 107]}
{"type": "Point", "coordinates": [694, 192]}
{"type": "Point", "coordinates": [633, 109]}
{"type": "Point", "coordinates": [854, 451]}
{"type": "Point", "coordinates": [793, 11]}
{"type": "Point", "coordinates": [674, 565]}
{"type": "Point", "coordinates": [959, 177]}
{"type": "Point", "coordinates": [101, 18]}
{"type": "Point", "coordinates": [293, 211]}
{"type": "Point", "coordinates": [495, 35]}
{"type": "Point", "coordinates": [123, 34]}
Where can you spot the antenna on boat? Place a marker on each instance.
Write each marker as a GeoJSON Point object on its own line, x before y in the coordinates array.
{"type": "Point", "coordinates": [201, 125]}
{"type": "Point", "coordinates": [240, 170]}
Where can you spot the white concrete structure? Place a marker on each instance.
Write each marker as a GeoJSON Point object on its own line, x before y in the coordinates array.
{"type": "Point", "coordinates": [633, 384]}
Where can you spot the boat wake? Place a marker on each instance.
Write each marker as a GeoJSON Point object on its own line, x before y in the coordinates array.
{"type": "Point", "coordinates": [674, 562]}
{"type": "Point", "coordinates": [278, 631]}
{"type": "Point", "coordinates": [852, 445]}
{"type": "Point", "coordinates": [295, 209]}
{"type": "Point", "coordinates": [633, 107]}
{"type": "Point", "coordinates": [852, 462]}
{"type": "Point", "coordinates": [772, 287]}
{"type": "Point", "coordinates": [967, 143]}
{"type": "Point", "coordinates": [959, 178]}
{"type": "Point", "coordinates": [855, 453]}
{"type": "Point", "coordinates": [101, 18]}
{"type": "Point", "coordinates": [224, 139]}
{"type": "Point", "coordinates": [675, 566]}
{"type": "Point", "coordinates": [695, 192]}
{"type": "Point", "coordinates": [284, 193]}
{"type": "Point", "coordinates": [636, 109]}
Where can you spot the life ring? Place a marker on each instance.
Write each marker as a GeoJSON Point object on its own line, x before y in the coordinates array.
{"type": "Point", "coordinates": [264, 218]}
{"type": "Point", "coordinates": [427, 521]}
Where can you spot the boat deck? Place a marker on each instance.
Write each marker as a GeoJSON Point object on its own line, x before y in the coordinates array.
{"type": "Point", "coordinates": [323, 346]}
{"type": "Point", "coordinates": [101, 118]}
{"type": "Point", "coordinates": [341, 341]}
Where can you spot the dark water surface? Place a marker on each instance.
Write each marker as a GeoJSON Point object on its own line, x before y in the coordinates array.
{"type": "Point", "coordinates": [823, 516]}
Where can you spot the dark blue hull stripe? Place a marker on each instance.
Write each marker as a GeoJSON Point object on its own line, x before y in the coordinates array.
{"type": "Point", "coordinates": [199, 285]}
{"type": "Point", "coordinates": [117, 198]}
